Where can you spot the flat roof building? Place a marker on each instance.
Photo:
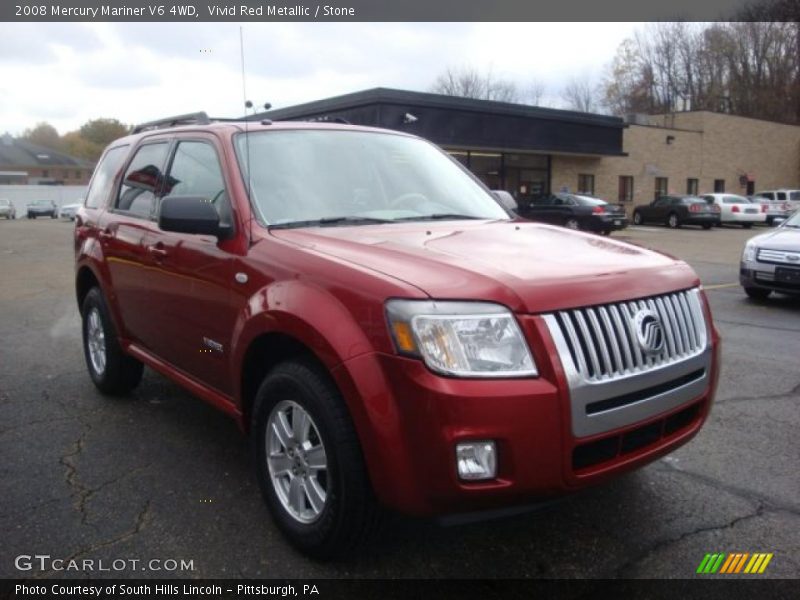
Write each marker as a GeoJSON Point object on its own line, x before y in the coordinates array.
{"type": "Point", "coordinates": [529, 150]}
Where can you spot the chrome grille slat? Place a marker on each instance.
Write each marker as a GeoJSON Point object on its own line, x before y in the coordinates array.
{"type": "Point", "coordinates": [603, 341]}
{"type": "Point", "coordinates": [778, 256]}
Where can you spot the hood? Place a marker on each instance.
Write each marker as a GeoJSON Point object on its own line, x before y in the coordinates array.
{"type": "Point", "coordinates": [783, 238]}
{"type": "Point", "coordinates": [529, 267]}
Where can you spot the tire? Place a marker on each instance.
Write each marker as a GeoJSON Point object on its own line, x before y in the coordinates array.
{"type": "Point", "coordinates": [53, 216]}
{"type": "Point", "coordinates": [770, 221]}
{"type": "Point", "coordinates": [348, 514]}
{"type": "Point", "coordinates": [673, 222]}
{"type": "Point", "coordinates": [706, 225]}
{"type": "Point", "coordinates": [605, 232]}
{"type": "Point", "coordinates": [572, 223]}
{"type": "Point", "coordinates": [637, 218]}
{"type": "Point", "coordinates": [747, 225]}
{"type": "Point", "coordinates": [757, 293]}
{"type": "Point", "coordinates": [112, 371]}
{"type": "Point", "coordinates": [30, 216]}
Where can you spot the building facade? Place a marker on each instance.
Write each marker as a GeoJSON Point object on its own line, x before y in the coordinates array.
{"type": "Point", "coordinates": [24, 163]}
{"type": "Point", "coordinates": [530, 151]}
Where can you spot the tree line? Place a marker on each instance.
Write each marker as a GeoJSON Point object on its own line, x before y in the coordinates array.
{"type": "Point", "coordinates": [749, 68]}
{"type": "Point", "coordinates": [87, 142]}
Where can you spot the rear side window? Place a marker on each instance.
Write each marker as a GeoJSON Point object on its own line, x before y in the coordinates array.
{"type": "Point", "coordinates": [142, 180]}
{"type": "Point", "coordinates": [104, 176]}
{"type": "Point", "coordinates": [196, 171]}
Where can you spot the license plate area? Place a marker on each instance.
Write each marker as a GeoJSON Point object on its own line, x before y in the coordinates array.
{"type": "Point", "coordinates": [785, 275]}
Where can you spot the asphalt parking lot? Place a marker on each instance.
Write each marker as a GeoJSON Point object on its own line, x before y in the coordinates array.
{"type": "Point", "coordinates": [160, 475]}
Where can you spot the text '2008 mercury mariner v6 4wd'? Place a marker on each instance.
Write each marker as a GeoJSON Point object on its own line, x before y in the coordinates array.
{"type": "Point", "coordinates": [386, 332]}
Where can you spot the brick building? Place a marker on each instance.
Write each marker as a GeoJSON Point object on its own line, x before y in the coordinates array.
{"type": "Point", "coordinates": [529, 150]}
{"type": "Point", "coordinates": [24, 163]}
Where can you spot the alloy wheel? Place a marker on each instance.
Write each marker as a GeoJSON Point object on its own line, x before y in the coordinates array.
{"type": "Point", "coordinates": [96, 341]}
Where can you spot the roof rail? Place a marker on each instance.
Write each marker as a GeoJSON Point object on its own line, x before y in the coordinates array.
{"type": "Point", "coordinates": [198, 118]}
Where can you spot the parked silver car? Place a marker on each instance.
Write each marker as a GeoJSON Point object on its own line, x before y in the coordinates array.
{"type": "Point", "coordinates": [7, 209]}
{"type": "Point", "coordinates": [771, 261]}
{"type": "Point", "coordinates": [42, 208]}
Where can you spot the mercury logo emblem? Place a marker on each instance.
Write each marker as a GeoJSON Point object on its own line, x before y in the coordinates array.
{"type": "Point", "coordinates": [649, 331]}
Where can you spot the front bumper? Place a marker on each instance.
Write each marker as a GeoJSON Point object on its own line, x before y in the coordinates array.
{"type": "Point", "coordinates": [755, 274]}
{"type": "Point", "coordinates": [410, 421]}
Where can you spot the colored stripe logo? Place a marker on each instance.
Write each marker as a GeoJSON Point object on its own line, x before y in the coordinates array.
{"type": "Point", "coordinates": [734, 563]}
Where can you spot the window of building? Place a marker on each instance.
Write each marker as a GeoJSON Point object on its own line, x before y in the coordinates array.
{"type": "Point", "coordinates": [196, 171]}
{"type": "Point", "coordinates": [142, 180]}
{"type": "Point", "coordinates": [64, 174]}
{"type": "Point", "coordinates": [719, 186]}
{"type": "Point", "coordinates": [586, 184]}
{"type": "Point", "coordinates": [45, 173]}
{"type": "Point", "coordinates": [625, 188]}
{"type": "Point", "coordinates": [691, 186]}
{"type": "Point", "coordinates": [662, 184]}
{"type": "Point", "coordinates": [77, 174]}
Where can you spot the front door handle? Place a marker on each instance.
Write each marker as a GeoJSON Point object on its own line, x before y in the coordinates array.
{"type": "Point", "coordinates": [157, 251]}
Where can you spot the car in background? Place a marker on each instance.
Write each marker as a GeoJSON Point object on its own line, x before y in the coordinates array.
{"type": "Point", "coordinates": [68, 211]}
{"type": "Point", "coordinates": [771, 261]}
{"type": "Point", "coordinates": [576, 211]}
{"type": "Point", "coordinates": [736, 210]}
{"type": "Point", "coordinates": [42, 208]}
{"type": "Point", "coordinates": [7, 209]}
{"type": "Point", "coordinates": [674, 211]}
{"type": "Point", "coordinates": [776, 211]}
{"type": "Point", "coordinates": [792, 197]}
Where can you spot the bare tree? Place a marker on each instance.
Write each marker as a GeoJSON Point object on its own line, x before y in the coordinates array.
{"type": "Point", "coordinates": [581, 94]}
{"type": "Point", "coordinates": [534, 92]}
{"type": "Point", "coordinates": [468, 82]}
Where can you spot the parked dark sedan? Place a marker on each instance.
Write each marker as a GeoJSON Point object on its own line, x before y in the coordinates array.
{"type": "Point", "coordinates": [42, 208]}
{"type": "Point", "coordinates": [576, 212]}
{"type": "Point", "coordinates": [674, 211]}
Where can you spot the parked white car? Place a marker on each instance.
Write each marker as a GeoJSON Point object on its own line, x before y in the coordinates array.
{"type": "Point", "coordinates": [737, 210]}
{"type": "Point", "coordinates": [68, 211]}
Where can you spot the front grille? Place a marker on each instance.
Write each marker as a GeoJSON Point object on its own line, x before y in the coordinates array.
{"type": "Point", "coordinates": [603, 343]}
{"type": "Point", "coordinates": [639, 438]}
{"type": "Point", "coordinates": [779, 257]}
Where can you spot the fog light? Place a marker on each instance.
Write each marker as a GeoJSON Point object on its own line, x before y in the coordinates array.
{"type": "Point", "coordinates": [476, 460]}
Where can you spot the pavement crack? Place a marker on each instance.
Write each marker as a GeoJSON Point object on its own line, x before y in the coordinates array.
{"type": "Point", "coordinates": [620, 572]}
{"type": "Point", "coordinates": [779, 396]}
{"type": "Point", "coordinates": [139, 523]}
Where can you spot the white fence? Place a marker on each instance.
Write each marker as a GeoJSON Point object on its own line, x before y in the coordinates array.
{"type": "Point", "coordinates": [20, 195]}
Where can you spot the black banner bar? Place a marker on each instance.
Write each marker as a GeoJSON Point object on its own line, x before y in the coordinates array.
{"type": "Point", "coordinates": [464, 589]}
{"type": "Point", "coordinates": [373, 10]}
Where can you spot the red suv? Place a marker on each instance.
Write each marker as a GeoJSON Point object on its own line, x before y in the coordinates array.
{"type": "Point", "coordinates": [385, 331]}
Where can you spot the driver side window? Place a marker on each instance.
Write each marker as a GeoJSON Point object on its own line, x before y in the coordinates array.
{"type": "Point", "coordinates": [195, 171]}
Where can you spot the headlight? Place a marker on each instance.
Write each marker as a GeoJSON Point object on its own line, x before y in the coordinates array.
{"type": "Point", "coordinates": [467, 339]}
{"type": "Point", "coordinates": [749, 254]}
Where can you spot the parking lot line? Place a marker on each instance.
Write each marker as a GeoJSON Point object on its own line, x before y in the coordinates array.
{"type": "Point", "coordinates": [720, 286]}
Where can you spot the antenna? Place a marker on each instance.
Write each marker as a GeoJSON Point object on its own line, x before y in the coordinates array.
{"type": "Point", "coordinates": [247, 104]}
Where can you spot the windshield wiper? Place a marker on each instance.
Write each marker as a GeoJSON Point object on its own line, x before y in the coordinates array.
{"type": "Point", "coordinates": [438, 216]}
{"type": "Point", "coordinates": [326, 221]}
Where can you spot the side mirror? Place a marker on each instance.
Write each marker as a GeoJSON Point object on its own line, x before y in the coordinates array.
{"type": "Point", "coordinates": [506, 200]}
{"type": "Point", "coordinates": [190, 214]}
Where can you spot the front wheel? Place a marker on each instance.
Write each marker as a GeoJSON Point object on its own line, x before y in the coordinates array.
{"type": "Point", "coordinates": [111, 370]}
{"type": "Point", "coordinates": [706, 225]}
{"type": "Point", "coordinates": [53, 216]}
{"type": "Point", "coordinates": [673, 222]}
{"type": "Point", "coordinates": [309, 463]}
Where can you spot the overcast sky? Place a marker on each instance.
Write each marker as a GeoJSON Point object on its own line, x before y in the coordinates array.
{"type": "Point", "coordinates": [67, 73]}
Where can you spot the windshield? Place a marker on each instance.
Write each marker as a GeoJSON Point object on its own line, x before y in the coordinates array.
{"type": "Point", "coordinates": [304, 176]}
{"type": "Point", "coordinates": [793, 221]}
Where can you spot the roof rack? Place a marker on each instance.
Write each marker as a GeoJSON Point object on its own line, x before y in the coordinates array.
{"type": "Point", "coordinates": [198, 118]}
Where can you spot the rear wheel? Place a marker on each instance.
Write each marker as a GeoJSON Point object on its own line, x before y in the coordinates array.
{"type": "Point", "coordinates": [637, 218]}
{"type": "Point", "coordinates": [747, 225]}
{"type": "Point", "coordinates": [53, 216]}
{"type": "Point", "coordinates": [706, 225]}
{"type": "Point", "coordinates": [757, 293]}
{"type": "Point", "coordinates": [571, 223]}
{"type": "Point", "coordinates": [672, 221]}
{"type": "Point", "coordinates": [309, 463]}
{"type": "Point", "coordinates": [111, 370]}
